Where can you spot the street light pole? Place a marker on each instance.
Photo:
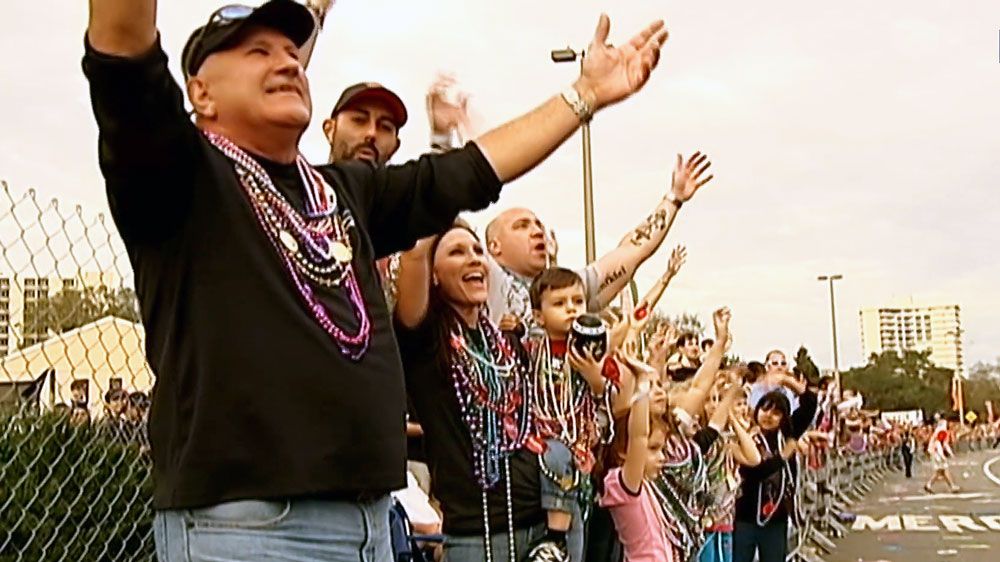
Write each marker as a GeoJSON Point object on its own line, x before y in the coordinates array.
{"type": "Point", "coordinates": [833, 319]}
{"type": "Point", "coordinates": [569, 55]}
{"type": "Point", "coordinates": [958, 385]}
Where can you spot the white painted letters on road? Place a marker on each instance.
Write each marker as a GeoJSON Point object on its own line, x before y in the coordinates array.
{"type": "Point", "coordinates": [991, 521]}
{"type": "Point", "coordinates": [919, 523]}
{"type": "Point", "coordinates": [958, 524]}
{"type": "Point", "coordinates": [955, 523]}
{"type": "Point", "coordinates": [889, 522]}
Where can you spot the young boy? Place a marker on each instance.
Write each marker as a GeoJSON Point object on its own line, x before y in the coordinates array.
{"type": "Point", "coordinates": [569, 390]}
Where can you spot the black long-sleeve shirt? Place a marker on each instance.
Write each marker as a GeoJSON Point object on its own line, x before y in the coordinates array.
{"type": "Point", "coordinates": [253, 398]}
{"type": "Point", "coordinates": [753, 476]}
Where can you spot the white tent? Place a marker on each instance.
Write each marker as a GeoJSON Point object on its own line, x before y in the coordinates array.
{"type": "Point", "coordinates": [102, 352]}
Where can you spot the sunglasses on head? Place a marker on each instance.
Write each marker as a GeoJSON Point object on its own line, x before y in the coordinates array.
{"type": "Point", "coordinates": [779, 363]}
{"type": "Point", "coordinates": [224, 16]}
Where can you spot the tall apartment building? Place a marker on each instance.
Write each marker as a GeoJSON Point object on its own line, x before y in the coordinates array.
{"type": "Point", "coordinates": [907, 325]}
{"type": "Point", "coordinates": [19, 293]}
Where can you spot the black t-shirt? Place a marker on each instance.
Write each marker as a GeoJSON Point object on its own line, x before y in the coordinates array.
{"type": "Point", "coordinates": [253, 398]}
{"type": "Point", "coordinates": [772, 465]}
{"type": "Point", "coordinates": [449, 447]}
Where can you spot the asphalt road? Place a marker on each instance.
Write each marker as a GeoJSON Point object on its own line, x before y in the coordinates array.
{"type": "Point", "coordinates": [900, 522]}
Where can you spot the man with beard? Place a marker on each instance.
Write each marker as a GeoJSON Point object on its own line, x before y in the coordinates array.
{"type": "Point", "coordinates": [364, 124]}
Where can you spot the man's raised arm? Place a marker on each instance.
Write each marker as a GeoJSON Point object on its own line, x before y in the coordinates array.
{"type": "Point", "coordinates": [609, 75]}
{"type": "Point", "coordinates": [125, 28]}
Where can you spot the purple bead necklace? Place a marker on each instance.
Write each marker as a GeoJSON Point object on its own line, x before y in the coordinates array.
{"type": "Point", "coordinates": [315, 249]}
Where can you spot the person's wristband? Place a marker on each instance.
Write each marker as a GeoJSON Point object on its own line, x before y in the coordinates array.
{"type": "Point", "coordinates": [642, 391]}
{"type": "Point", "coordinates": [584, 112]}
{"type": "Point", "coordinates": [674, 200]}
{"type": "Point", "coordinates": [441, 141]}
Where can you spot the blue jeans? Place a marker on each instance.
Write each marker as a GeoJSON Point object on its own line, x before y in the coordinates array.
{"type": "Point", "coordinates": [718, 547]}
{"type": "Point", "coordinates": [559, 461]}
{"type": "Point", "coordinates": [281, 531]}
{"type": "Point", "coordinates": [473, 548]}
{"type": "Point", "coordinates": [770, 542]}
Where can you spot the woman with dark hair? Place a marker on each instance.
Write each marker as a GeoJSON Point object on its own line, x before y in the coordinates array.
{"type": "Point", "coordinates": [767, 491]}
{"type": "Point", "coordinates": [469, 386]}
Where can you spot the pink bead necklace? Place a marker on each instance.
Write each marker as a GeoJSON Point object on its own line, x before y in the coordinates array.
{"type": "Point", "coordinates": [315, 249]}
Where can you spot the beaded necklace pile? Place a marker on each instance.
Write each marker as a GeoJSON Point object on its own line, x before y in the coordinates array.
{"type": "Point", "coordinates": [564, 410]}
{"type": "Point", "coordinates": [723, 484]}
{"type": "Point", "coordinates": [314, 247]}
{"type": "Point", "coordinates": [677, 488]}
{"type": "Point", "coordinates": [493, 398]}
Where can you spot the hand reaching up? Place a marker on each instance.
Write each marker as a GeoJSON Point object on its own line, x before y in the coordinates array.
{"type": "Point", "coordinates": [610, 74]}
{"type": "Point", "coordinates": [687, 178]}
{"type": "Point", "coordinates": [721, 318]}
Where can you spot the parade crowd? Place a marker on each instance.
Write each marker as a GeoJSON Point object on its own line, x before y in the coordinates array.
{"type": "Point", "coordinates": [296, 313]}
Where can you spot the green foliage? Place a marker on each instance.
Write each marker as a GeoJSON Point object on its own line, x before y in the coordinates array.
{"type": "Point", "coordinates": [983, 385]}
{"type": "Point", "coordinates": [71, 493]}
{"type": "Point", "coordinates": [72, 308]}
{"type": "Point", "coordinates": [806, 365]}
{"type": "Point", "coordinates": [894, 382]}
{"type": "Point", "coordinates": [688, 322]}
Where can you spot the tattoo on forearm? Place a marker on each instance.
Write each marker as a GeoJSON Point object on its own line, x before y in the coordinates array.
{"type": "Point", "coordinates": [612, 278]}
{"type": "Point", "coordinates": [653, 225]}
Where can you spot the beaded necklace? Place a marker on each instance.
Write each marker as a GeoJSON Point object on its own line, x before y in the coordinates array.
{"type": "Point", "coordinates": [677, 488]}
{"type": "Point", "coordinates": [564, 409]}
{"type": "Point", "coordinates": [491, 390]}
{"type": "Point", "coordinates": [723, 483]}
{"type": "Point", "coordinates": [765, 511]}
{"type": "Point", "coordinates": [315, 247]}
{"type": "Point", "coordinates": [517, 298]}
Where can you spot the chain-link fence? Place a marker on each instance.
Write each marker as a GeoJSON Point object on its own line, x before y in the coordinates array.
{"type": "Point", "coordinates": [74, 389]}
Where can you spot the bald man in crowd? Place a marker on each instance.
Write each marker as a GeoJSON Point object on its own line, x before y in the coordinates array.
{"type": "Point", "coordinates": [517, 242]}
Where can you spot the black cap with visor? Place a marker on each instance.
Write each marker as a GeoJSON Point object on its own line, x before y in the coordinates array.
{"type": "Point", "coordinates": [226, 24]}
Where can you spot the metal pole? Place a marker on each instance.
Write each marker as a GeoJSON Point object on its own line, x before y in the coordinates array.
{"type": "Point", "coordinates": [588, 191]}
{"type": "Point", "coordinates": [957, 381]}
{"type": "Point", "coordinates": [833, 318]}
{"type": "Point", "coordinates": [588, 196]}
{"type": "Point", "coordinates": [569, 55]}
{"type": "Point", "coordinates": [961, 398]}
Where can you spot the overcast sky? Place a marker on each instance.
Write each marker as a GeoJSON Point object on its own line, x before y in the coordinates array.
{"type": "Point", "coordinates": [851, 137]}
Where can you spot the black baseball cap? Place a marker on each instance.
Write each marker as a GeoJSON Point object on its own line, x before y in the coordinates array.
{"type": "Point", "coordinates": [225, 24]}
{"type": "Point", "coordinates": [373, 91]}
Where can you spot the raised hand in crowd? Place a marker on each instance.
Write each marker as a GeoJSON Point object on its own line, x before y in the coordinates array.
{"type": "Point", "coordinates": [644, 309]}
{"type": "Point", "coordinates": [687, 178]}
{"type": "Point", "coordinates": [660, 346]}
{"type": "Point", "coordinates": [610, 74]}
{"type": "Point", "coordinates": [318, 9]}
{"type": "Point", "coordinates": [720, 320]}
{"type": "Point", "coordinates": [693, 400]}
{"type": "Point", "coordinates": [790, 447]}
{"type": "Point", "coordinates": [678, 257]}
{"type": "Point", "coordinates": [788, 381]}
{"type": "Point", "coordinates": [447, 109]}
{"type": "Point", "coordinates": [413, 283]}
{"type": "Point", "coordinates": [744, 449]}
{"type": "Point", "coordinates": [552, 248]}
